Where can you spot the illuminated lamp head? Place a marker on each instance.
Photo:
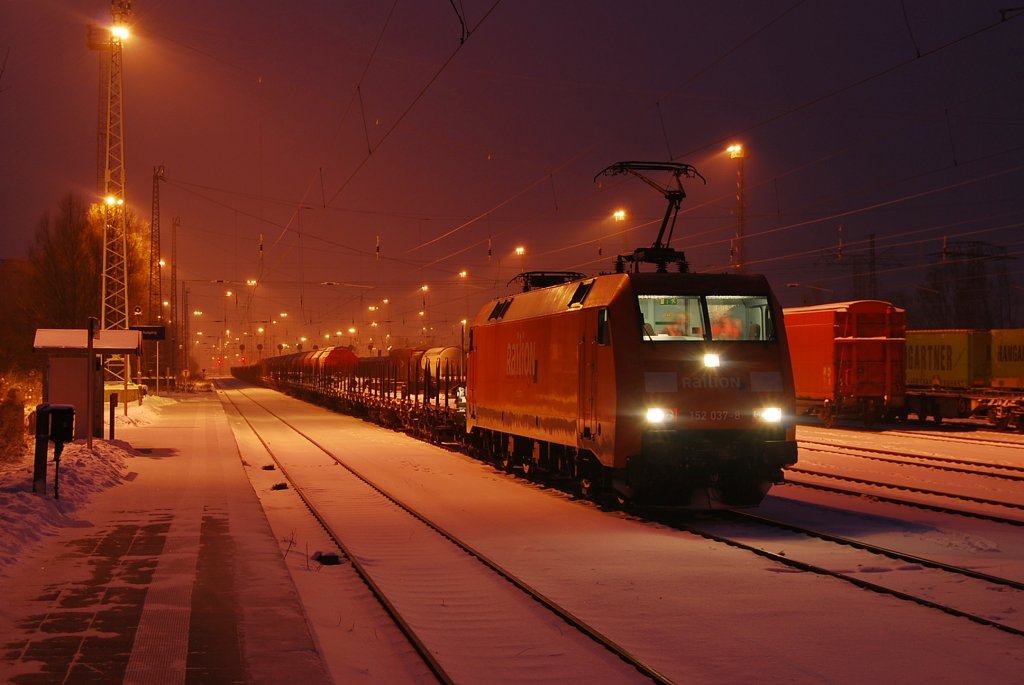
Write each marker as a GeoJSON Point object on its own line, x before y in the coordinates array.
{"type": "Point", "coordinates": [656, 415]}
{"type": "Point", "coordinates": [768, 414]}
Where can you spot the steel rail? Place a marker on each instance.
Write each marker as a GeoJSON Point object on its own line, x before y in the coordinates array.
{"type": "Point", "coordinates": [876, 549]}
{"type": "Point", "coordinates": [421, 649]}
{"type": "Point", "coordinates": [859, 582]}
{"type": "Point", "coordinates": [848, 449]}
{"type": "Point", "coordinates": [923, 491]}
{"type": "Point", "coordinates": [533, 593]}
{"type": "Point", "coordinates": [948, 437]}
{"type": "Point", "coordinates": [895, 500]}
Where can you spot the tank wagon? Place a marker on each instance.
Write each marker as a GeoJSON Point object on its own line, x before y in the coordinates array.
{"type": "Point", "coordinates": [849, 359]}
{"type": "Point", "coordinates": [664, 386]}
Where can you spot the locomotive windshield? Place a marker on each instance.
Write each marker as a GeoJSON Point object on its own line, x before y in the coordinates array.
{"type": "Point", "coordinates": [706, 317]}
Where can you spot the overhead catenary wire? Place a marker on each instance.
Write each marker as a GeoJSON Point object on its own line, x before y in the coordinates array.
{"type": "Point", "coordinates": [549, 176]}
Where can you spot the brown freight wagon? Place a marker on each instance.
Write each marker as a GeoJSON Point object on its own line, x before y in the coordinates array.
{"type": "Point", "coordinates": [848, 359]}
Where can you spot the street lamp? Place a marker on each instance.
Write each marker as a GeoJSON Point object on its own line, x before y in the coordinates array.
{"type": "Point", "coordinates": [737, 256]}
{"type": "Point", "coordinates": [521, 253]}
{"type": "Point", "coordinates": [618, 216]}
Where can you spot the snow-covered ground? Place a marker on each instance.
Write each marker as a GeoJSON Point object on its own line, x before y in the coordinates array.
{"type": "Point", "coordinates": [733, 617]}
{"type": "Point", "coordinates": [26, 518]}
{"type": "Point", "coordinates": [696, 610]}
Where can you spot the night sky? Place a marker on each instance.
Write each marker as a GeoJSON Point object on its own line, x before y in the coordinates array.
{"type": "Point", "coordinates": [299, 136]}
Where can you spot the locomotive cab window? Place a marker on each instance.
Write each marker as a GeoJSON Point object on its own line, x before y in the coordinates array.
{"type": "Point", "coordinates": [671, 317]}
{"type": "Point", "coordinates": [740, 317]}
{"type": "Point", "coordinates": [702, 317]}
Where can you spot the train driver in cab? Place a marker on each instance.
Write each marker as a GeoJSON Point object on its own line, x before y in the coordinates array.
{"type": "Point", "coordinates": [678, 326]}
{"type": "Point", "coordinates": [726, 328]}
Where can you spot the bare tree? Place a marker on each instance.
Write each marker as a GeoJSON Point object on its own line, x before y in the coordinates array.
{"type": "Point", "coordinates": [17, 331]}
{"type": "Point", "coordinates": [60, 284]}
{"type": "Point", "coordinates": [66, 262]}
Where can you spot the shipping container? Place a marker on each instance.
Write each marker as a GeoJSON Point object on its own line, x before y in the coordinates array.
{"type": "Point", "coordinates": [1008, 358]}
{"type": "Point", "coordinates": [949, 358]}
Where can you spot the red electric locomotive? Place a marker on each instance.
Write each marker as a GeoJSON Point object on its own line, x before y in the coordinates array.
{"type": "Point", "coordinates": [663, 387]}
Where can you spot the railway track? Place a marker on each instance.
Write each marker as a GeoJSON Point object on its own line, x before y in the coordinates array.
{"type": "Point", "coordinates": [461, 611]}
{"type": "Point", "coordinates": [950, 464]}
{"type": "Point", "coordinates": [879, 491]}
{"type": "Point", "coordinates": [958, 438]}
{"type": "Point", "coordinates": [978, 480]}
{"type": "Point", "coordinates": [948, 588]}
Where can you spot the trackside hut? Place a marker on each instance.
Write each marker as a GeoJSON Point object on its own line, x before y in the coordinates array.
{"type": "Point", "coordinates": [66, 370]}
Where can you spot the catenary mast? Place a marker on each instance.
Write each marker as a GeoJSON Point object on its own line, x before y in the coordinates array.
{"type": "Point", "coordinates": [155, 309]}
{"type": "Point", "coordinates": [115, 240]}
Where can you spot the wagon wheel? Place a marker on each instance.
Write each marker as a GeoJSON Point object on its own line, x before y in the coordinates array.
{"type": "Point", "coordinates": [506, 462]}
{"type": "Point", "coordinates": [963, 408]}
{"type": "Point", "coordinates": [828, 415]}
{"type": "Point", "coordinates": [870, 414]}
{"type": "Point", "coordinates": [529, 469]}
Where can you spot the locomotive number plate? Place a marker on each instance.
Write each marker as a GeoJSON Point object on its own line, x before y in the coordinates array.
{"type": "Point", "coordinates": [713, 415]}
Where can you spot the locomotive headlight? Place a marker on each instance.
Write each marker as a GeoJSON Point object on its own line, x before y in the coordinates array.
{"type": "Point", "coordinates": [656, 415]}
{"type": "Point", "coordinates": [712, 361]}
{"type": "Point", "coordinates": [768, 414]}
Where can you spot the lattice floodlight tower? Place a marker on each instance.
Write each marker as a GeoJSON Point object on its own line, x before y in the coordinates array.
{"type": "Point", "coordinates": [661, 254]}
{"type": "Point", "coordinates": [115, 227]}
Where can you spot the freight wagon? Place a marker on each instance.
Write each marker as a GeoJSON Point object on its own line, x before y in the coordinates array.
{"type": "Point", "coordinates": [947, 372]}
{"type": "Point", "coordinates": [966, 373]}
{"type": "Point", "coordinates": [848, 359]}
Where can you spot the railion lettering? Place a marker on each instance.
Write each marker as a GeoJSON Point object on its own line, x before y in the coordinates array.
{"type": "Point", "coordinates": [520, 358]}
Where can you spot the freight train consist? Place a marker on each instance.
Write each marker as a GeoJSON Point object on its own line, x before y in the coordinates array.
{"type": "Point", "coordinates": [857, 359]}
{"type": "Point", "coordinates": [661, 386]}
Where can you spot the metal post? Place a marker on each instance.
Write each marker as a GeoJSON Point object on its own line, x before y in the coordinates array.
{"type": "Point", "coordinates": [42, 439]}
{"type": "Point", "coordinates": [90, 362]}
{"type": "Point", "coordinates": [113, 412]}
